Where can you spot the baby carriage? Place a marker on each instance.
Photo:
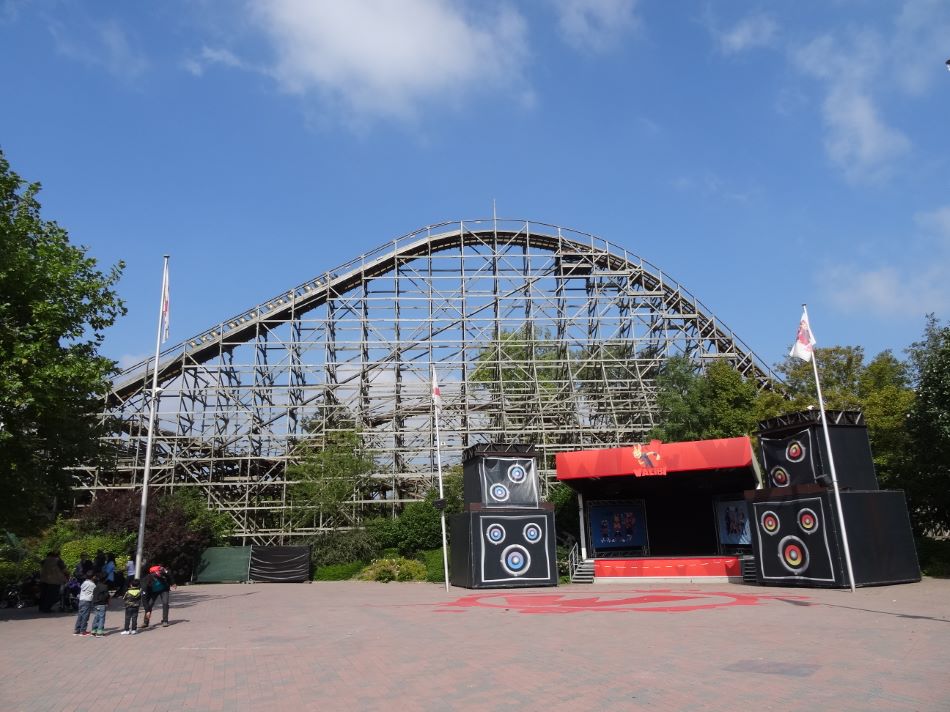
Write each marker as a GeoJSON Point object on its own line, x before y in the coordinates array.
{"type": "Point", "coordinates": [70, 596]}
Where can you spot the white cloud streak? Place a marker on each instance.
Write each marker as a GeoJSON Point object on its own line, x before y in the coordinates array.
{"type": "Point", "coordinates": [596, 25]}
{"type": "Point", "coordinates": [106, 46]}
{"type": "Point", "coordinates": [753, 32]}
{"type": "Point", "coordinates": [380, 59]}
{"type": "Point", "coordinates": [859, 141]}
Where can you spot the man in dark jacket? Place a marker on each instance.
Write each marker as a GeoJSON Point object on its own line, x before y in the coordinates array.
{"type": "Point", "coordinates": [52, 578]}
{"type": "Point", "coordinates": [155, 586]}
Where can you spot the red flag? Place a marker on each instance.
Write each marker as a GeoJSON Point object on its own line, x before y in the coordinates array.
{"type": "Point", "coordinates": [436, 392]}
{"type": "Point", "coordinates": [804, 346]}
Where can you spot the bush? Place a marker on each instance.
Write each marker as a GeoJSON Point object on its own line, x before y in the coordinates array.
{"type": "Point", "coordinates": [343, 547]}
{"type": "Point", "coordinates": [418, 528]}
{"type": "Point", "coordinates": [934, 555]}
{"type": "Point", "coordinates": [435, 571]}
{"type": "Point", "coordinates": [385, 530]}
{"type": "Point", "coordinates": [15, 571]}
{"type": "Point", "coordinates": [386, 570]}
{"type": "Point", "coordinates": [114, 543]}
{"type": "Point", "coordinates": [338, 572]}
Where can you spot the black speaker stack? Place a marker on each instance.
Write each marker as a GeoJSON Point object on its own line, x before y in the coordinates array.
{"type": "Point", "coordinates": [795, 523]}
{"type": "Point", "coordinates": [505, 536]}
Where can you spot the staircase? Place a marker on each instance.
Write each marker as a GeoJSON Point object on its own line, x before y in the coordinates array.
{"type": "Point", "coordinates": [582, 570]}
{"type": "Point", "coordinates": [584, 573]}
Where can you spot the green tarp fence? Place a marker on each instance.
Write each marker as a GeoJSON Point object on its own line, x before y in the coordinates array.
{"type": "Point", "coordinates": [224, 563]}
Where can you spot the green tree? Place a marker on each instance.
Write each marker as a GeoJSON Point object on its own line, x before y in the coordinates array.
{"type": "Point", "coordinates": [524, 371]}
{"type": "Point", "coordinates": [54, 307]}
{"type": "Point", "coordinates": [332, 472]}
{"type": "Point", "coordinates": [926, 475]}
{"type": "Point", "coordinates": [695, 405]}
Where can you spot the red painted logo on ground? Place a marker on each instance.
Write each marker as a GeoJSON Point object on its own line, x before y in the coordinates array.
{"type": "Point", "coordinates": [648, 601]}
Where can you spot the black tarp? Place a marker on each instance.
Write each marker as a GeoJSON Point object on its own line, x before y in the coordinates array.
{"type": "Point", "coordinates": [280, 564]}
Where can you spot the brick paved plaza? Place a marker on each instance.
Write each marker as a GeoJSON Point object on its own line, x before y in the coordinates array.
{"type": "Point", "coordinates": [367, 646]}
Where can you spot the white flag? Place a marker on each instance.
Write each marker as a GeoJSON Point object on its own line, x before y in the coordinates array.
{"type": "Point", "coordinates": [166, 304]}
{"type": "Point", "coordinates": [804, 346]}
{"type": "Point", "coordinates": [436, 393]}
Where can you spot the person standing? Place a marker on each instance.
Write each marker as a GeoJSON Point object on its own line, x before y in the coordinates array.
{"type": "Point", "coordinates": [100, 601]}
{"type": "Point", "coordinates": [155, 587]}
{"type": "Point", "coordinates": [52, 578]}
{"type": "Point", "coordinates": [132, 598]}
{"type": "Point", "coordinates": [85, 604]}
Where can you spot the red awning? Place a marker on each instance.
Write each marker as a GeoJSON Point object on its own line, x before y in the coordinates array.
{"type": "Point", "coordinates": [655, 459]}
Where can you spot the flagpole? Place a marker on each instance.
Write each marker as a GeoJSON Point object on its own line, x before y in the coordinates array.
{"type": "Point", "coordinates": [438, 461]}
{"type": "Point", "coordinates": [151, 423]}
{"type": "Point", "coordinates": [831, 464]}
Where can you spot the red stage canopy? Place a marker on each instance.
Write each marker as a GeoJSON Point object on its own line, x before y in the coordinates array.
{"type": "Point", "coordinates": [655, 459]}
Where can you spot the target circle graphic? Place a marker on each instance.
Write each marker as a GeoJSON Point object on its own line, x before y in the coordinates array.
{"type": "Point", "coordinates": [499, 493]}
{"type": "Point", "coordinates": [808, 521]}
{"type": "Point", "coordinates": [532, 533]}
{"type": "Point", "coordinates": [795, 452]}
{"type": "Point", "coordinates": [495, 533]}
{"type": "Point", "coordinates": [793, 554]}
{"type": "Point", "coordinates": [515, 559]}
{"type": "Point", "coordinates": [769, 522]}
{"type": "Point", "coordinates": [780, 477]}
{"type": "Point", "coordinates": [517, 473]}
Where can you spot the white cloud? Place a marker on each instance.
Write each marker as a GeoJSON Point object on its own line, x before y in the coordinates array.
{"type": "Point", "coordinates": [105, 45]}
{"type": "Point", "coordinates": [920, 45]}
{"type": "Point", "coordinates": [384, 59]}
{"type": "Point", "coordinates": [752, 32]}
{"type": "Point", "coordinates": [128, 360]}
{"type": "Point", "coordinates": [936, 221]}
{"type": "Point", "coordinates": [904, 292]}
{"type": "Point", "coordinates": [596, 25]}
{"type": "Point", "coordinates": [210, 56]}
{"type": "Point", "coordinates": [859, 141]}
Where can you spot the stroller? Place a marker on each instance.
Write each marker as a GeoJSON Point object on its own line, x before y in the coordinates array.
{"type": "Point", "coordinates": [69, 600]}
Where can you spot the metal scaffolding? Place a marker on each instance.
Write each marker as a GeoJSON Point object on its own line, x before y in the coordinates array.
{"type": "Point", "coordinates": [540, 334]}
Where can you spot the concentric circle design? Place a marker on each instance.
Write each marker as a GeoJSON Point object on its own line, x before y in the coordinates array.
{"type": "Point", "coordinates": [795, 451]}
{"type": "Point", "coordinates": [808, 521]}
{"type": "Point", "coordinates": [769, 522]}
{"type": "Point", "coordinates": [780, 477]}
{"type": "Point", "coordinates": [499, 493]}
{"type": "Point", "coordinates": [516, 560]}
{"type": "Point", "coordinates": [793, 554]}
{"type": "Point", "coordinates": [532, 533]}
{"type": "Point", "coordinates": [517, 473]}
{"type": "Point", "coordinates": [495, 533]}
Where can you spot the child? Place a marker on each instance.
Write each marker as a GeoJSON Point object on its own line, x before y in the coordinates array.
{"type": "Point", "coordinates": [85, 605]}
{"type": "Point", "coordinates": [100, 601]}
{"type": "Point", "coordinates": [132, 598]}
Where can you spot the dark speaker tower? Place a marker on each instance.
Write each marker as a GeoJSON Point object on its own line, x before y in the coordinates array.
{"type": "Point", "coordinates": [503, 549]}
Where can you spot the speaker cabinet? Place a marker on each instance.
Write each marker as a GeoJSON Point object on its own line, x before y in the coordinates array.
{"type": "Point", "coordinates": [511, 549]}
{"type": "Point", "coordinates": [797, 541]}
{"type": "Point", "coordinates": [794, 451]}
{"type": "Point", "coordinates": [500, 476]}
{"type": "Point", "coordinates": [794, 541]}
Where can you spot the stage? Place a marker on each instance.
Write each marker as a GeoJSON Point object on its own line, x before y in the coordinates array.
{"type": "Point", "coordinates": [663, 512]}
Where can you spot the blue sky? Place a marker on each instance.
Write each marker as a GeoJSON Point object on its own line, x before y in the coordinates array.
{"type": "Point", "coordinates": [762, 154]}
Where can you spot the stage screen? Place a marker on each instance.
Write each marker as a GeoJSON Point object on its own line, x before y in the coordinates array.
{"type": "Point", "coordinates": [618, 525]}
{"type": "Point", "coordinates": [732, 520]}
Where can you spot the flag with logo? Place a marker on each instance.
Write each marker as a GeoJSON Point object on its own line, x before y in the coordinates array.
{"type": "Point", "coordinates": [804, 347]}
{"type": "Point", "coordinates": [436, 393]}
{"type": "Point", "coordinates": [166, 304]}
